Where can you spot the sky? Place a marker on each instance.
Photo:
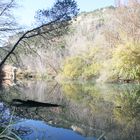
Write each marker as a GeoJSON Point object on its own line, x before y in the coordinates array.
{"type": "Point", "coordinates": [26, 8]}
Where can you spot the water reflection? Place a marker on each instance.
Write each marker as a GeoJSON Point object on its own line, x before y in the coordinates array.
{"type": "Point", "coordinates": [109, 112]}
{"type": "Point", "coordinates": [42, 131]}
{"type": "Point", "coordinates": [115, 108]}
{"type": "Point", "coordinates": [28, 129]}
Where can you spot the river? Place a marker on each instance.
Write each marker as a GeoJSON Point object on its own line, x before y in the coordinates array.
{"type": "Point", "coordinates": [38, 110]}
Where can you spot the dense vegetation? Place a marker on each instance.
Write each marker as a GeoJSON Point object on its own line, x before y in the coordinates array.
{"type": "Point", "coordinates": [102, 45]}
{"type": "Point", "coordinates": [111, 51]}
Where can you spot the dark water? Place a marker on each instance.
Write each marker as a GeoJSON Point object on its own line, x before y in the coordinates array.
{"type": "Point", "coordinates": [73, 111]}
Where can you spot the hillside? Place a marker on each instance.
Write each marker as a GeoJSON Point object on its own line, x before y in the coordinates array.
{"type": "Point", "coordinates": [102, 45]}
{"type": "Point", "coordinates": [105, 46]}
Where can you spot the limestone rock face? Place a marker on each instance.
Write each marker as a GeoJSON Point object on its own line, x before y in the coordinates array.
{"type": "Point", "coordinates": [8, 72]}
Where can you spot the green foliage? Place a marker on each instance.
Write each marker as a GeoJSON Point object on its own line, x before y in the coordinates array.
{"type": "Point", "coordinates": [73, 67]}
{"type": "Point", "coordinates": [81, 67]}
{"type": "Point", "coordinates": [91, 71]}
{"type": "Point", "coordinates": [123, 64]}
{"type": "Point", "coordinates": [126, 61]}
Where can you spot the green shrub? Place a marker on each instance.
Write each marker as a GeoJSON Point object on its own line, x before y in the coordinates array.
{"type": "Point", "coordinates": [82, 67]}
{"type": "Point", "coordinates": [73, 67]}
{"type": "Point", "coordinates": [126, 61]}
{"type": "Point", "coordinates": [91, 71]}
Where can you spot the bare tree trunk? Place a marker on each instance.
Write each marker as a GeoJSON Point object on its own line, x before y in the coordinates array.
{"type": "Point", "coordinates": [60, 15]}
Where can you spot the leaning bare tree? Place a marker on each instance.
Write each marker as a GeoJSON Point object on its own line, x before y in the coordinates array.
{"type": "Point", "coordinates": [53, 23]}
{"type": "Point", "coordinates": [8, 26]}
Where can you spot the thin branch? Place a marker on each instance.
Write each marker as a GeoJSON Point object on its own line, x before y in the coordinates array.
{"type": "Point", "coordinates": [7, 7]}
{"type": "Point", "coordinates": [58, 20]}
{"type": "Point", "coordinates": [25, 35]}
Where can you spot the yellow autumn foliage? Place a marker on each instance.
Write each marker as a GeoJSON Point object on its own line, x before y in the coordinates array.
{"type": "Point", "coordinates": [126, 61]}
{"type": "Point", "coordinates": [82, 67]}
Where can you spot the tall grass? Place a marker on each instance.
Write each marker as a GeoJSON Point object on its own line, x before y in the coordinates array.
{"type": "Point", "coordinates": [6, 132]}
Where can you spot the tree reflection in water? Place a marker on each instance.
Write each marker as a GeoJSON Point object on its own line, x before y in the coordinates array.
{"type": "Point", "coordinates": [113, 108]}
{"type": "Point", "coordinates": [89, 109]}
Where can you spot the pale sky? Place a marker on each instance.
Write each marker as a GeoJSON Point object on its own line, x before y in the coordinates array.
{"type": "Point", "coordinates": [27, 8]}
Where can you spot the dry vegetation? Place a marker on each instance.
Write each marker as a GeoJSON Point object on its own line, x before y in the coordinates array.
{"type": "Point", "coordinates": [115, 33]}
{"type": "Point", "coordinates": [102, 45]}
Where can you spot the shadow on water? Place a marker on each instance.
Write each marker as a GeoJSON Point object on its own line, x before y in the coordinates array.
{"type": "Point", "coordinates": [30, 103]}
{"type": "Point", "coordinates": [75, 110]}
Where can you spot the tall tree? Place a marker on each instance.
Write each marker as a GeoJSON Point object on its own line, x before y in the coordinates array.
{"type": "Point", "coordinates": [53, 23]}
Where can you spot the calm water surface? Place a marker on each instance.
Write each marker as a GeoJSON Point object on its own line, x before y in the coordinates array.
{"type": "Point", "coordinates": [73, 111]}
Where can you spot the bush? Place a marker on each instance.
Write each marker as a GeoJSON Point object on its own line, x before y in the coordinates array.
{"type": "Point", "coordinates": [83, 67]}
{"type": "Point", "coordinates": [126, 61]}
{"type": "Point", "coordinates": [73, 67]}
{"type": "Point", "coordinates": [91, 71]}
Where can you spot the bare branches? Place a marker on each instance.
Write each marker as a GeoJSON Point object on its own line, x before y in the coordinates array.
{"type": "Point", "coordinates": [7, 21]}
{"type": "Point", "coordinates": [126, 23]}
{"type": "Point", "coordinates": [56, 26]}
{"type": "Point", "coordinates": [7, 6]}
